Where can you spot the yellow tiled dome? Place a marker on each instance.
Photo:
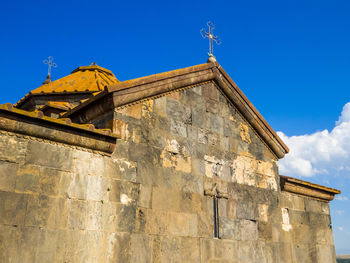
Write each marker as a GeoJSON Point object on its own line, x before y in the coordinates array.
{"type": "Point", "coordinates": [85, 79]}
{"type": "Point", "coordinates": [88, 78]}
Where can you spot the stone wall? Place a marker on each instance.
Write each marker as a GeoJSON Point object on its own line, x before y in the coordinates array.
{"type": "Point", "coordinates": [189, 146]}
{"type": "Point", "coordinates": [306, 233]}
{"type": "Point", "coordinates": [60, 203]}
{"type": "Point", "coordinates": [152, 200]}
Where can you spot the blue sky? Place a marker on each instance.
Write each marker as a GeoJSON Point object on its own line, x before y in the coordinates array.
{"type": "Point", "coordinates": [291, 59]}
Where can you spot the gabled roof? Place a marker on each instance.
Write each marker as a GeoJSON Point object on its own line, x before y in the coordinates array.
{"type": "Point", "coordinates": [134, 90]}
{"type": "Point", "coordinates": [85, 79]}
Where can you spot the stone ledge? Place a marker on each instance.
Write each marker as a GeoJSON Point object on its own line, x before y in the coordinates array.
{"type": "Point", "coordinates": [37, 125]}
{"type": "Point", "coordinates": [304, 188]}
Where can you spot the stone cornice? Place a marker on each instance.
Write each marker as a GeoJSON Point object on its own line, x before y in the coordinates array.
{"type": "Point", "coordinates": [304, 188]}
{"type": "Point", "coordinates": [37, 125]}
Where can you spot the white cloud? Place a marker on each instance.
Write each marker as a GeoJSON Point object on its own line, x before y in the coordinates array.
{"type": "Point", "coordinates": [322, 152]}
{"type": "Point", "coordinates": [341, 198]}
{"type": "Point", "coordinates": [345, 114]}
{"type": "Point", "coordinates": [341, 228]}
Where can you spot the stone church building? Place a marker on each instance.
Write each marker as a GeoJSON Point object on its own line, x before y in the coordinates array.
{"type": "Point", "coordinates": [173, 167]}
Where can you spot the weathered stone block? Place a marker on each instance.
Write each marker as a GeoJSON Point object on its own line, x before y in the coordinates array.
{"type": "Point", "coordinates": [8, 173]}
{"type": "Point", "coordinates": [191, 98]}
{"type": "Point", "coordinates": [325, 254]}
{"type": "Point", "coordinates": [126, 218]}
{"type": "Point", "coordinates": [120, 169]}
{"type": "Point", "coordinates": [286, 252]}
{"type": "Point", "coordinates": [27, 180]}
{"type": "Point", "coordinates": [205, 225]}
{"type": "Point", "coordinates": [298, 217]}
{"type": "Point", "coordinates": [49, 181]}
{"type": "Point", "coordinates": [263, 212]}
{"type": "Point", "coordinates": [178, 128]}
{"type": "Point", "coordinates": [216, 124]}
{"type": "Point", "coordinates": [10, 241]}
{"type": "Point", "coordinates": [12, 208]}
{"type": "Point", "coordinates": [318, 220]}
{"type": "Point", "coordinates": [29, 245]}
{"type": "Point", "coordinates": [292, 201]}
{"type": "Point", "coordinates": [86, 163]}
{"type": "Point", "coordinates": [305, 253]}
{"type": "Point", "coordinates": [94, 215]}
{"type": "Point", "coordinates": [12, 149]}
{"type": "Point", "coordinates": [247, 210]}
{"type": "Point", "coordinates": [182, 224]}
{"type": "Point", "coordinates": [77, 214]}
{"type": "Point", "coordinates": [44, 154]}
{"type": "Point", "coordinates": [171, 202]}
{"type": "Point", "coordinates": [118, 247]}
{"type": "Point", "coordinates": [41, 211]}
{"type": "Point", "coordinates": [229, 228]}
{"type": "Point", "coordinates": [301, 234]}
{"type": "Point", "coordinates": [176, 249]}
{"type": "Point", "coordinates": [313, 206]}
{"type": "Point", "coordinates": [145, 196]}
{"type": "Point", "coordinates": [198, 115]}
{"type": "Point", "coordinates": [210, 92]}
{"type": "Point", "coordinates": [178, 112]}
{"type": "Point", "coordinates": [36, 179]}
{"type": "Point", "coordinates": [140, 248]}
{"type": "Point", "coordinates": [97, 188]}
{"type": "Point", "coordinates": [213, 250]}
{"type": "Point", "coordinates": [160, 106]}
{"type": "Point", "coordinates": [46, 246]}
{"type": "Point", "coordinates": [123, 192]}
{"type": "Point", "coordinates": [192, 183]}
{"type": "Point", "coordinates": [155, 221]}
{"type": "Point", "coordinates": [325, 208]}
{"type": "Point", "coordinates": [133, 111]}
{"type": "Point", "coordinates": [249, 230]}
{"type": "Point", "coordinates": [265, 231]}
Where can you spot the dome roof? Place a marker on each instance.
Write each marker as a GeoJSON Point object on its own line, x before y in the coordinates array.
{"type": "Point", "coordinates": [85, 79]}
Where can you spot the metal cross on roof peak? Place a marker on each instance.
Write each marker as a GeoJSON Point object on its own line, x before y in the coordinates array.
{"type": "Point", "coordinates": [49, 62]}
{"type": "Point", "coordinates": [211, 37]}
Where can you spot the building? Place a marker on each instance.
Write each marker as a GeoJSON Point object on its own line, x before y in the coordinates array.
{"type": "Point", "coordinates": [173, 167]}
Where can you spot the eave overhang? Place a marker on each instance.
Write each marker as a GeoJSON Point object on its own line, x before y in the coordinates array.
{"type": "Point", "coordinates": [130, 91]}
{"type": "Point", "coordinates": [35, 124]}
{"type": "Point", "coordinates": [307, 189]}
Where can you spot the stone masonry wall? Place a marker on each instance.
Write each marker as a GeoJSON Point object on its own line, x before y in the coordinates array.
{"type": "Point", "coordinates": [62, 204]}
{"type": "Point", "coordinates": [306, 234]}
{"type": "Point", "coordinates": [186, 144]}
{"type": "Point", "coordinates": [152, 200]}
{"type": "Point", "coordinates": [190, 145]}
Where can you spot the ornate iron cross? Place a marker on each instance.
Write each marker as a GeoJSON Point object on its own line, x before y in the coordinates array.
{"type": "Point", "coordinates": [49, 62]}
{"type": "Point", "coordinates": [211, 37]}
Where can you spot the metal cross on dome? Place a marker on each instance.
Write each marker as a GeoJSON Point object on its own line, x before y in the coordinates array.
{"type": "Point", "coordinates": [211, 37]}
{"type": "Point", "coordinates": [49, 62]}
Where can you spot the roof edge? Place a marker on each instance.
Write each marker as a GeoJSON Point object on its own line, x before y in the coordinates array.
{"type": "Point", "coordinates": [250, 112]}
{"type": "Point", "coordinates": [304, 188]}
{"type": "Point", "coordinates": [35, 124]}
